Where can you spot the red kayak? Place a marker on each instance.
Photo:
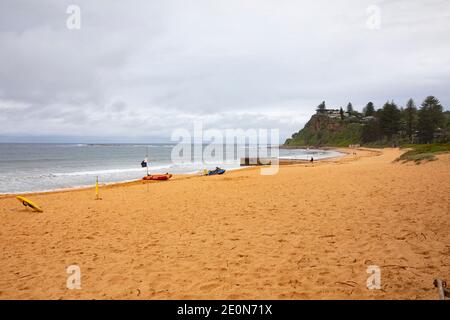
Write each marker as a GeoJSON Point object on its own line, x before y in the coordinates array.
{"type": "Point", "coordinates": [158, 177]}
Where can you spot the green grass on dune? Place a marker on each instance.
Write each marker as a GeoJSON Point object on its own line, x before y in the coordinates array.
{"type": "Point", "coordinates": [424, 152]}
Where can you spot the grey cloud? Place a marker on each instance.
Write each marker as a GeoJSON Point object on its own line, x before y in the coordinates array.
{"type": "Point", "coordinates": [143, 68]}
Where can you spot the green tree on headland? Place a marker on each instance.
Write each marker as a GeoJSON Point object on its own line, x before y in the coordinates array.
{"type": "Point", "coordinates": [369, 110]}
{"type": "Point", "coordinates": [390, 119]}
{"type": "Point", "coordinates": [321, 107]}
{"type": "Point", "coordinates": [431, 118]}
{"type": "Point", "coordinates": [350, 108]}
{"type": "Point", "coordinates": [410, 114]}
{"type": "Point", "coordinates": [371, 132]}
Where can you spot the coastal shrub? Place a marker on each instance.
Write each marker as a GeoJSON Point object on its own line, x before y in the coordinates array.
{"type": "Point", "coordinates": [424, 152]}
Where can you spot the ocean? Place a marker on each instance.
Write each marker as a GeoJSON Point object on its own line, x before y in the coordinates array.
{"type": "Point", "coordinates": [46, 167]}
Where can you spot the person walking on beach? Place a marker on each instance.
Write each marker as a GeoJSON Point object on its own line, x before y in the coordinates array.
{"type": "Point", "coordinates": [312, 160]}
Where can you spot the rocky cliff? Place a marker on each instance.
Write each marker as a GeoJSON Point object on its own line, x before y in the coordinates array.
{"type": "Point", "coordinates": [322, 130]}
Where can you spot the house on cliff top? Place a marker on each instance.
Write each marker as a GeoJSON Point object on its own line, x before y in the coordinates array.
{"type": "Point", "coordinates": [332, 113]}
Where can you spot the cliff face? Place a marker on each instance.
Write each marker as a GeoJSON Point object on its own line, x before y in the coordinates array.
{"type": "Point", "coordinates": [322, 130]}
{"type": "Point", "coordinates": [320, 123]}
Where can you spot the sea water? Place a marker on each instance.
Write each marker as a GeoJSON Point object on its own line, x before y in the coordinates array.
{"type": "Point", "coordinates": [45, 167]}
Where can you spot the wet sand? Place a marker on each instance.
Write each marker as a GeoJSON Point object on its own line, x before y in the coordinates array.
{"type": "Point", "coordinates": [309, 232]}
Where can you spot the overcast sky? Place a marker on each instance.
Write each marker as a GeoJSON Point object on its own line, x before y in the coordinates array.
{"type": "Point", "coordinates": [137, 70]}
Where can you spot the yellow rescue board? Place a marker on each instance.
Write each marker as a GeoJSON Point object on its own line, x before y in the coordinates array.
{"type": "Point", "coordinates": [28, 203]}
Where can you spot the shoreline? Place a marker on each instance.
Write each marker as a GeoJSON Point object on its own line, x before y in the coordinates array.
{"type": "Point", "coordinates": [175, 177]}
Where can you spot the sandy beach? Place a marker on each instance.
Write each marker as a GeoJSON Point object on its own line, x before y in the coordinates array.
{"type": "Point", "coordinates": [309, 232]}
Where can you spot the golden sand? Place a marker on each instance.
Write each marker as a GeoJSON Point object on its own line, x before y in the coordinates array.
{"type": "Point", "coordinates": [309, 232]}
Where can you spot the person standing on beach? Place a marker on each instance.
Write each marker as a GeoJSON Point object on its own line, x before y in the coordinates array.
{"type": "Point", "coordinates": [312, 160]}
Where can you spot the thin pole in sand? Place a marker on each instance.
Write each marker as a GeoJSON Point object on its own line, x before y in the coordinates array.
{"type": "Point", "coordinates": [146, 165]}
{"type": "Point", "coordinates": [97, 197]}
{"type": "Point", "coordinates": [146, 158]}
